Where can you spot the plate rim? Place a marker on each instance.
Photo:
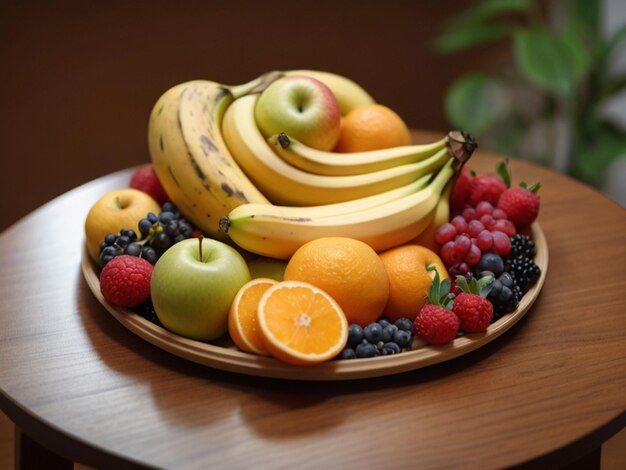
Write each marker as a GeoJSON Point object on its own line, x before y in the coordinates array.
{"type": "Point", "coordinates": [233, 360]}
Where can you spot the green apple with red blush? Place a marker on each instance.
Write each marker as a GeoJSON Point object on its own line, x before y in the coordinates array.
{"type": "Point", "coordinates": [303, 108]}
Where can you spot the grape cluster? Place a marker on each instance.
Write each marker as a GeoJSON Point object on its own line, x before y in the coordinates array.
{"type": "Point", "coordinates": [157, 234]}
{"type": "Point", "coordinates": [378, 338]}
{"type": "Point", "coordinates": [475, 231]}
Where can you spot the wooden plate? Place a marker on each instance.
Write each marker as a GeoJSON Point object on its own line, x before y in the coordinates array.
{"type": "Point", "coordinates": [224, 355]}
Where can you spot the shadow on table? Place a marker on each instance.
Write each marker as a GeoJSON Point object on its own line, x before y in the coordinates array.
{"type": "Point", "coordinates": [180, 387]}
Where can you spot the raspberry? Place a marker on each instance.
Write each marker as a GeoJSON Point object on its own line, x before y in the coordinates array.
{"type": "Point", "coordinates": [125, 281]}
{"type": "Point", "coordinates": [435, 322]}
{"type": "Point", "coordinates": [471, 306]}
{"type": "Point", "coordinates": [473, 311]}
{"type": "Point", "coordinates": [436, 325]}
{"type": "Point", "coordinates": [146, 180]}
{"type": "Point", "coordinates": [461, 190]}
{"type": "Point", "coordinates": [521, 205]}
{"type": "Point", "coordinates": [486, 188]}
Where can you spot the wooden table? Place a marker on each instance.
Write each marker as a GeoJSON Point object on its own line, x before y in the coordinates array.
{"type": "Point", "coordinates": [549, 391]}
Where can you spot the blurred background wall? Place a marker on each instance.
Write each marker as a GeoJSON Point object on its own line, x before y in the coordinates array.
{"type": "Point", "coordinates": [79, 78]}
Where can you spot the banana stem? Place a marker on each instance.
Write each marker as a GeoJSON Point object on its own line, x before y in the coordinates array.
{"type": "Point", "coordinates": [255, 86]}
{"type": "Point", "coordinates": [461, 146]}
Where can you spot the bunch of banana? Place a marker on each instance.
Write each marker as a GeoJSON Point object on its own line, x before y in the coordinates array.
{"type": "Point", "coordinates": [227, 178]}
{"type": "Point", "coordinates": [189, 154]}
{"type": "Point", "coordinates": [285, 184]}
{"type": "Point", "coordinates": [279, 231]}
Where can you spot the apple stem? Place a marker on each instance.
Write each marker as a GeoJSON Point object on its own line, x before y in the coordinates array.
{"type": "Point", "coordinates": [200, 238]}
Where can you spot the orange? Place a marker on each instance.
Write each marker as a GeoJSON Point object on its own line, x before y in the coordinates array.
{"type": "Point", "coordinates": [372, 127]}
{"type": "Point", "coordinates": [242, 318]}
{"type": "Point", "coordinates": [301, 324]}
{"type": "Point", "coordinates": [349, 270]}
{"type": "Point", "coordinates": [409, 279]}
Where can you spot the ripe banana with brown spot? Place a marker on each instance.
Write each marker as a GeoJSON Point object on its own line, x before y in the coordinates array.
{"type": "Point", "coordinates": [320, 162]}
{"type": "Point", "coordinates": [284, 184]}
{"type": "Point", "coordinates": [382, 227]}
{"type": "Point", "coordinates": [190, 156]}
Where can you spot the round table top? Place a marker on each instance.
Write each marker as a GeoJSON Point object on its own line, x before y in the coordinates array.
{"type": "Point", "coordinates": [551, 388]}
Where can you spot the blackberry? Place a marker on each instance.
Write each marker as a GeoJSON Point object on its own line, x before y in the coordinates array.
{"type": "Point", "coordinates": [524, 271]}
{"type": "Point", "coordinates": [521, 245]}
{"type": "Point", "coordinates": [146, 310]}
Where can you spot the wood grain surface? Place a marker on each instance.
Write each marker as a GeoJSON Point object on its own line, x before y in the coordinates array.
{"type": "Point", "coordinates": [549, 391]}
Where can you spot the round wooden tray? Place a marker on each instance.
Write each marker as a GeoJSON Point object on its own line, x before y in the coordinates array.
{"type": "Point", "coordinates": [224, 355]}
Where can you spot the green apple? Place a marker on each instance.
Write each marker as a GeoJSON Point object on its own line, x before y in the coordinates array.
{"type": "Point", "coordinates": [193, 284]}
{"type": "Point", "coordinates": [302, 107]}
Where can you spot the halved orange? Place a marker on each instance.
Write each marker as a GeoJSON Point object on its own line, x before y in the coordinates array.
{"type": "Point", "coordinates": [301, 324]}
{"type": "Point", "coordinates": [242, 317]}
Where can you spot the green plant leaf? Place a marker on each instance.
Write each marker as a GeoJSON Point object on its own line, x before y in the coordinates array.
{"type": "Point", "coordinates": [592, 156]}
{"type": "Point", "coordinates": [545, 60]}
{"type": "Point", "coordinates": [614, 85]}
{"type": "Point", "coordinates": [584, 17]}
{"type": "Point", "coordinates": [488, 9]}
{"type": "Point", "coordinates": [457, 39]}
{"type": "Point", "coordinates": [475, 102]}
{"type": "Point", "coordinates": [578, 50]}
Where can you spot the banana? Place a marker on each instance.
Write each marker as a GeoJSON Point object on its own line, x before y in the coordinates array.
{"type": "Point", "coordinates": [189, 154]}
{"type": "Point", "coordinates": [382, 227]}
{"type": "Point", "coordinates": [338, 164]}
{"type": "Point", "coordinates": [442, 214]}
{"type": "Point", "coordinates": [336, 209]}
{"type": "Point", "coordinates": [349, 94]}
{"type": "Point", "coordinates": [284, 184]}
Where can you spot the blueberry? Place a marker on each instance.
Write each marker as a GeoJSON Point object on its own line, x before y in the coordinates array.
{"type": "Point", "coordinates": [366, 349]}
{"type": "Point", "coordinates": [149, 254]}
{"type": "Point", "coordinates": [388, 332]}
{"type": "Point", "coordinates": [134, 249]}
{"type": "Point", "coordinates": [185, 228]}
{"type": "Point", "coordinates": [347, 353]}
{"type": "Point", "coordinates": [169, 207]}
{"type": "Point", "coordinates": [403, 338]}
{"type": "Point", "coordinates": [161, 241]}
{"type": "Point", "coordinates": [355, 335]}
{"type": "Point", "coordinates": [491, 262]}
{"type": "Point", "coordinates": [373, 332]}
{"type": "Point", "coordinates": [506, 279]}
{"type": "Point", "coordinates": [110, 238]}
{"type": "Point", "coordinates": [123, 241]}
{"type": "Point", "coordinates": [110, 251]}
{"type": "Point", "coordinates": [390, 348]}
{"type": "Point", "coordinates": [496, 288]}
{"type": "Point", "coordinates": [172, 228]}
{"type": "Point", "coordinates": [144, 227]}
{"type": "Point", "coordinates": [404, 324]}
{"type": "Point", "coordinates": [166, 217]}
{"type": "Point", "coordinates": [505, 294]}
{"type": "Point", "coordinates": [384, 322]}
{"type": "Point", "coordinates": [126, 232]}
